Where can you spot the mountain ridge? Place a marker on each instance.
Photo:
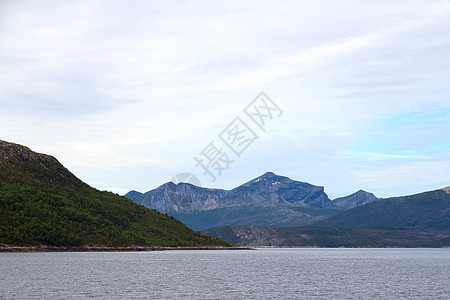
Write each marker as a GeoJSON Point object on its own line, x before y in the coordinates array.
{"type": "Point", "coordinates": [267, 200]}
{"type": "Point", "coordinates": [267, 189]}
{"type": "Point", "coordinates": [428, 210]}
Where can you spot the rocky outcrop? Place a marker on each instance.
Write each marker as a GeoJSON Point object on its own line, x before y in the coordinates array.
{"type": "Point", "coordinates": [37, 166]}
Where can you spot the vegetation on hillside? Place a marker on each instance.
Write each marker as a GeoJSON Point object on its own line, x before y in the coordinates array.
{"type": "Point", "coordinates": [42, 203]}
{"type": "Point", "coordinates": [425, 211]}
{"type": "Point", "coordinates": [421, 220]}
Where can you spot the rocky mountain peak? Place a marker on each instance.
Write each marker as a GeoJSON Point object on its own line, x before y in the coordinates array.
{"type": "Point", "coordinates": [269, 177]}
{"type": "Point", "coordinates": [362, 192]}
{"type": "Point", "coordinates": [361, 197]}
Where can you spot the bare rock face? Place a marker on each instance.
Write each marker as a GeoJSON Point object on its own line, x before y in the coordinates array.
{"type": "Point", "coordinates": [446, 189]}
{"type": "Point", "coordinates": [178, 198]}
{"type": "Point", "coordinates": [14, 153]}
{"type": "Point", "coordinates": [357, 199]}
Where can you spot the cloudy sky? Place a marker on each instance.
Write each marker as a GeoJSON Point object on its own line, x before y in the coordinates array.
{"type": "Point", "coordinates": [126, 93]}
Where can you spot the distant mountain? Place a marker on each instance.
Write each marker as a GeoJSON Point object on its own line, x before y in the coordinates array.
{"type": "Point", "coordinates": [274, 189]}
{"type": "Point", "coordinates": [256, 236]}
{"type": "Point", "coordinates": [268, 189]}
{"type": "Point", "coordinates": [354, 200]}
{"type": "Point", "coordinates": [270, 200]}
{"type": "Point", "coordinates": [424, 211]}
{"type": "Point", "coordinates": [421, 220]}
{"type": "Point", "coordinates": [179, 198]}
{"type": "Point", "coordinates": [133, 195]}
{"type": "Point", "coordinates": [42, 203]}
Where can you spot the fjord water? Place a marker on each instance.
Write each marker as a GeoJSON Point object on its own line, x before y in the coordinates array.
{"type": "Point", "coordinates": [234, 274]}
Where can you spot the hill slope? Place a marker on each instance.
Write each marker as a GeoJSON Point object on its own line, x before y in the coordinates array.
{"type": "Point", "coordinates": [251, 214]}
{"type": "Point", "coordinates": [426, 211]}
{"type": "Point", "coordinates": [42, 203]}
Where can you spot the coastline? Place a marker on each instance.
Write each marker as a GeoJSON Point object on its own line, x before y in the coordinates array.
{"type": "Point", "coordinates": [108, 248]}
{"type": "Point", "coordinates": [43, 248]}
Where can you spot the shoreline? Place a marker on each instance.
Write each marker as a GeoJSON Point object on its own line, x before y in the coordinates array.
{"type": "Point", "coordinates": [345, 247]}
{"type": "Point", "coordinates": [109, 248]}
{"type": "Point", "coordinates": [43, 248]}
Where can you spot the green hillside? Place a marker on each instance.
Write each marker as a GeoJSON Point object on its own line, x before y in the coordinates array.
{"type": "Point", "coordinates": [426, 211]}
{"type": "Point", "coordinates": [42, 203]}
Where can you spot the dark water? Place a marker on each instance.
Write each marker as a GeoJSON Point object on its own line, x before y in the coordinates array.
{"type": "Point", "coordinates": [260, 274]}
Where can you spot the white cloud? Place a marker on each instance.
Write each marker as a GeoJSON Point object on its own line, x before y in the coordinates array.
{"type": "Point", "coordinates": [125, 94]}
{"type": "Point", "coordinates": [377, 156]}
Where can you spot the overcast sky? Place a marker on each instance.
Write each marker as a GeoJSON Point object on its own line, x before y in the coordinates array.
{"type": "Point", "coordinates": [126, 93]}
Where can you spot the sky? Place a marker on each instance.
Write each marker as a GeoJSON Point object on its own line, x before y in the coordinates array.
{"type": "Point", "coordinates": [128, 94]}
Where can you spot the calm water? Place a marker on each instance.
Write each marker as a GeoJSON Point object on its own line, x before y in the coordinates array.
{"type": "Point", "coordinates": [260, 274]}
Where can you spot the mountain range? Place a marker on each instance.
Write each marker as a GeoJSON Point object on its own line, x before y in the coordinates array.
{"type": "Point", "coordinates": [420, 220]}
{"type": "Point", "coordinates": [43, 203]}
{"type": "Point", "coordinates": [268, 200]}
{"type": "Point", "coordinates": [276, 211]}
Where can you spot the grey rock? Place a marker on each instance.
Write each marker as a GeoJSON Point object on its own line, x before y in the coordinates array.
{"type": "Point", "coordinates": [354, 200]}
{"type": "Point", "coordinates": [179, 198]}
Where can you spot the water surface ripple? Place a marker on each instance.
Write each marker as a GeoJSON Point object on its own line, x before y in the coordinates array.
{"type": "Point", "coordinates": [260, 274]}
